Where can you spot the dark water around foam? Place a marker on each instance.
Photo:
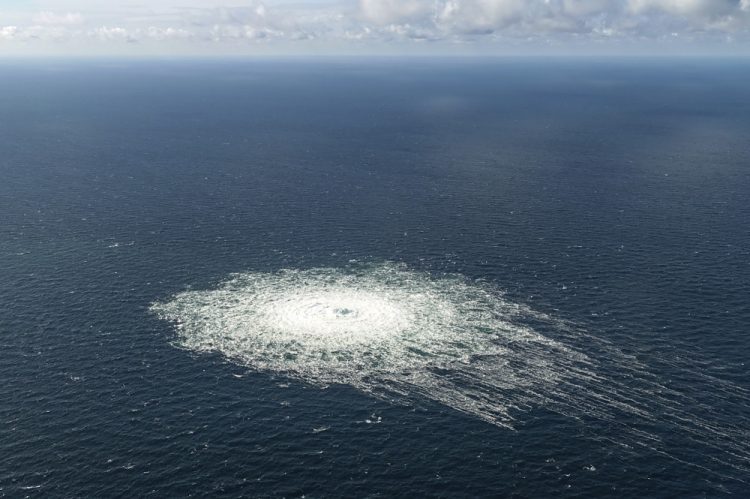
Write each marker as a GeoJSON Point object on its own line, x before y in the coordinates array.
{"type": "Point", "coordinates": [614, 196]}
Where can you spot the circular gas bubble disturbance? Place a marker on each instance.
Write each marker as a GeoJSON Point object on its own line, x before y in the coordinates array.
{"type": "Point", "coordinates": [405, 335]}
{"type": "Point", "coordinates": [383, 329]}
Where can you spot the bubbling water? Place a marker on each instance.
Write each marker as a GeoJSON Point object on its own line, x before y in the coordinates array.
{"type": "Point", "coordinates": [405, 336]}
{"type": "Point", "coordinates": [355, 316]}
{"type": "Point", "coordinates": [383, 329]}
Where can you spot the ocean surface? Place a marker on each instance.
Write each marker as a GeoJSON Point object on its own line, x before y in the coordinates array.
{"type": "Point", "coordinates": [375, 278]}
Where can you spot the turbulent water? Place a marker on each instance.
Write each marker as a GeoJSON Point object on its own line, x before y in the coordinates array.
{"type": "Point", "coordinates": [404, 335]}
{"type": "Point", "coordinates": [335, 278]}
{"type": "Point", "coordinates": [382, 329]}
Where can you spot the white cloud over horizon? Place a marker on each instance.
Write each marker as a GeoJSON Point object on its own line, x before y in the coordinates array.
{"type": "Point", "coordinates": [80, 27]}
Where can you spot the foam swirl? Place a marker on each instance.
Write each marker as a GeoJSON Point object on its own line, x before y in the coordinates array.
{"type": "Point", "coordinates": [405, 335]}
{"type": "Point", "coordinates": [379, 328]}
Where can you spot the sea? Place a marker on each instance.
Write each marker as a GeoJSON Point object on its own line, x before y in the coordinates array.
{"type": "Point", "coordinates": [375, 277]}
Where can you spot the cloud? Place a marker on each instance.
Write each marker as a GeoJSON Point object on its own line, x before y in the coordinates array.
{"type": "Point", "coordinates": [160, 34]}
{"type": "Point", "coordinates": [709, 8]}
{"type": "Point", "coordinates": [50, 18]}
{"type": "Point", "coordinates": [347, 24]}
{"type": "Point", "coordinates": [386, 12]}
{"type": "Point", "coordinates": [484, 16]}
{"type": "Point", "coordinates": [8, 32]}
{"type": "Point", "coordinates": [106, 33]}
{"type": "Point", "coordinates": [540, 18]}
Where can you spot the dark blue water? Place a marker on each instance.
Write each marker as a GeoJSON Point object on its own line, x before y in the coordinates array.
{"type": "Point", "coordinates": [614, 196]}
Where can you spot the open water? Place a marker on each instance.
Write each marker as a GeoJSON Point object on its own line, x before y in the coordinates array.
{"type": "Point", "coordinates": [375, 278]}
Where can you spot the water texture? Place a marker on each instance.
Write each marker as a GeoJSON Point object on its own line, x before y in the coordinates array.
{"type": "Point", "coordinates": [374, 278]}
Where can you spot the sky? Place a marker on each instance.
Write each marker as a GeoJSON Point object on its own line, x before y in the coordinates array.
{"type": "Point", "coordinates": [378, 27]}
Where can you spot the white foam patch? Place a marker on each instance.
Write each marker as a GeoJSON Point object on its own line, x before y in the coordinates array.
{"type": "Point", "coordinates": [405, 335]}
{"type": "Point", "coordinates": [382, 329]}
